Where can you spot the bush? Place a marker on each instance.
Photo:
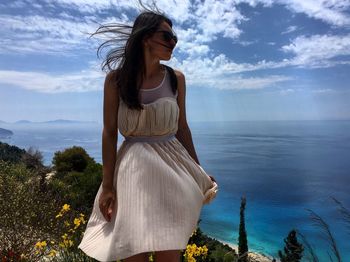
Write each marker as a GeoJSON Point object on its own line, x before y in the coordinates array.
{"type": "Point", "coordinates": [79, 188]}
{"type": "Point", "coordinates": [71, 159]}
{"type": "Point", "coordinates": [25, 212]}
{"type": "Point", "coordinates": [77, 179]}
{"type": "Point", "coordinates": [33, 158]}
{"type": "Point", "coordinates": [10, 153]}
{"type": "Point", "coordinates": [35, 223]}
{"type": "Point", "coordinates": [17, 171]}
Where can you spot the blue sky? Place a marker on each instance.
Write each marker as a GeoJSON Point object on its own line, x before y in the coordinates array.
{"type": "Point", "coordinates": [242, 59]}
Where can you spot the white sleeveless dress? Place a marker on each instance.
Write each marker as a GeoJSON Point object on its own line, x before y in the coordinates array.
{"type": "Point", "coordinates": [160, 188]}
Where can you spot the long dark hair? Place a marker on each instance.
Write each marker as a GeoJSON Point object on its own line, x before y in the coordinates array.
{"type": "Point", "coordinates": [128, 59]}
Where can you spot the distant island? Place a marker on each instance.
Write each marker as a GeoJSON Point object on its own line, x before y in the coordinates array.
{"type": "Point", "coordinates": [5, 133]}
{"type": "Point", "coordinates": [57, 121]}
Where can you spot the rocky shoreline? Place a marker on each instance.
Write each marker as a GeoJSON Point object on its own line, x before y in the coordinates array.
{"type": "Point", "coordinates": [255, 256]}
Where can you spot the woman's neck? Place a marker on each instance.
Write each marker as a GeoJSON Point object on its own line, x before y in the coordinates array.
{"type": "Point", "coordinates": [152, 69]}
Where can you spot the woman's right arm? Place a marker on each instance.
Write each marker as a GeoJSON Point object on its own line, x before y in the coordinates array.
{"type": "Point", "coordinates": [110, 129]}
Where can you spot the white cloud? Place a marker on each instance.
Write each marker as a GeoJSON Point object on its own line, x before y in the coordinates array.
{"type": "Point", "coordinates": [323, 91]}
{"type": "Point", "coordinates": [331, 12]}
{"type": "Point", "coordinates": [214, 73]}
{"type": "Point", "coordinates": [206, 21]}
{"type": "Point", "coordinates": [290, 29]}
{"type": "Point", "coordinates": [218, 17]}
{"type": "Point", "coordinates": [14, 4]}
{"type": "Point", "coordinates": [328, 11]}
{"type": "Point", "coordinates": [32, 34]}
{"type": "Point", "coordinates": [288, 91]}
{"type": "Point", "coordinates": [245, 43]}
{"type": "Point", "coordinates": [221, 73]}
{"type": "Point", "coordinates": [91, 6]}
{"type": "Point", "coordinates": [178, 10]}
{"type": "Point", "coordinates": [86, 80]}
{"type": "Point", "coordinates": [319, 50]}
{"type": "Point", "coordinates": [239, 83]}
{"type": "Point", "coordinates": [193, 49]}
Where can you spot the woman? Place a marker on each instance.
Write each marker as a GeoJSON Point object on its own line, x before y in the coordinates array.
{"type": "Point", "coordinates": [153, 187]}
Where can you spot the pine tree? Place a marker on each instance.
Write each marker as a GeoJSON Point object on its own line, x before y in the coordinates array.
{"type": "Point", "coordinates": [293, 250]}
{"type": "Point", "coordinates": [242, 239]}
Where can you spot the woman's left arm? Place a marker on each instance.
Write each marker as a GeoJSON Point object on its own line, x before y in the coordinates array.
{"type": "Point", "coordinates": [184, 133]}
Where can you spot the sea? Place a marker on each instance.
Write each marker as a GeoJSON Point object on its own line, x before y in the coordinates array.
{"type": "Point", "coordinates": [289, 172]}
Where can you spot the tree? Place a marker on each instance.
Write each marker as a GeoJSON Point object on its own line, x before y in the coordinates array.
{"type": "Point", "coordinates": [242, 239]}
{"type": "Point", "coordinates": [71, 159]}
{"type": "Point", "coordinates": [10, 153]}
{"type": "Point", "coordinates": [77, 179]}
{"type": "Point", "coordinates": [293, 250]}
{"type": "Point", "coordinates": [33, 158]}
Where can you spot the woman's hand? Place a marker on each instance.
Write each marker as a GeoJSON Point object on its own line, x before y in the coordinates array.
{"type": "Point", "coordinates": [107, 202]}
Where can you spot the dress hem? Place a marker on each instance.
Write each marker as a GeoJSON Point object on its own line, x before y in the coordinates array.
{"type": "Point", "coordinates": [133, 254]}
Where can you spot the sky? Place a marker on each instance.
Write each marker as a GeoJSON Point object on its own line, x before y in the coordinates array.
{"type": "Point", "coordinates": [243, 60]}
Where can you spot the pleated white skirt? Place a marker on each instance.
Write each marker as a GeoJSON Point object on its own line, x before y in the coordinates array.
{"type": "Point", "coordinates": [160, 192]}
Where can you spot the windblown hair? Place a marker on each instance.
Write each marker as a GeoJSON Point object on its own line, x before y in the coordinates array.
{"type": "Point", "coordinates": [127, 55]}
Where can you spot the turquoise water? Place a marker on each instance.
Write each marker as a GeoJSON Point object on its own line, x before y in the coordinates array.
{"type": "Point", "coordinates": [282, 167]}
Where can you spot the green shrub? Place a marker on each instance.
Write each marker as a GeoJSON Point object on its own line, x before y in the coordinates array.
{"type": "Point", "coordinates": [77, 178]}
{"type": "Point", "coordinates": [33, 158]}
{"type": "Point", "coordinates": [71, 159]}
{"type": "Point", "coordinates": [293, 250]}
{"type": "Point", "coordinates": [78, 188]}
{"type": "Point", "coordinates": [18, 171]}
{"type": "Point", "coordinates": [10, 153]}
{"type": "Point", "coordinates": [26, 213]}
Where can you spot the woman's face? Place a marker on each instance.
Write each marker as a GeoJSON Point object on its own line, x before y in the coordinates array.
{"type": "Point", "coordinates": [162, 42]}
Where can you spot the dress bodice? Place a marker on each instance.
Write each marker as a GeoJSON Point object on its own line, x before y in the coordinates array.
{"type": "Point", "coordinates": [156, 119]}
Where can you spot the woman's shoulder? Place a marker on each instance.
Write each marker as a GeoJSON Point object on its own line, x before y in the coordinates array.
{"type": "Point", "coordinates": [179, 75]}
{"type": "Point", "coordinates": [180, 80]}
{"type": "Point", "coordinates": [112, 75]}
{"type": "Point", "coordinates": [111, 78]}
{"type": "Point", "coordinates": [177, 72]}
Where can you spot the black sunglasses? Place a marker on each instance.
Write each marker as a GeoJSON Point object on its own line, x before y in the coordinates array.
{"type": "Point", "coordinates": [167, 36]}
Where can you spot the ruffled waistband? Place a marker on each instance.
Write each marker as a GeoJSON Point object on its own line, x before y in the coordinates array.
{"type": "Point", "coordinates": [149, 139]}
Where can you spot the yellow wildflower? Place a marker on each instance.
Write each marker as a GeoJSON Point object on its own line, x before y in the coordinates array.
{"type": "Point", "coordinates": [52, 253]}
{"type": "Point", "coordinates": [66, 207]}
{"type": "Point", "coordinates": [68, 243]}
{"type": "Point", "coordinates": [76, 221]}
{"type": "Point", "coordinates": [40, 245]}
{"type": "Point", "coordinates": [193, 250]}
{"type": "Point", "coordinates": [82, 218]}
